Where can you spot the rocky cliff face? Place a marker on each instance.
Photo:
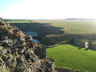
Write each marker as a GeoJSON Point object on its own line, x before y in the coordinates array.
{"type": "Point", "coordinates": [18, 53]}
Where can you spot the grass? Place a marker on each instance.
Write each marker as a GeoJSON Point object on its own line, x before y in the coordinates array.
{"type": "Point", "coordinates": [72, 57]}
{"type": "Point", "coordinates": [75, 27]}
{"type": "Point", "coordinates": [19, 21]}
{"type": "Point", "coordinates": [56, 27]}
{"type": "Point", "coordinates": [67, 56]}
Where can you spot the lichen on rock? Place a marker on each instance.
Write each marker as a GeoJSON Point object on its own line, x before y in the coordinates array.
{"type": "Point", "coordinates": [19, 53]}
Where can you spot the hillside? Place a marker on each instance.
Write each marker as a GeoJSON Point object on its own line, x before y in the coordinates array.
{"type": "Point", "coordinates": [51, 32]}
{"type": "Point", "coordinates": [19, 53]}
{"type": "Point", "coordinates": [58, 31]}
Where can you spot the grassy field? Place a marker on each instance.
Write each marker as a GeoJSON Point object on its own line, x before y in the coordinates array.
{"type": "Point", "coordinates": [70, 26]}
{"type": "Point", "coordinates": [19, 21]}
{"type": "Point", "coordinates": [72, 57]}
{"type": "Point", "coordinates": [46, 29]}
{"type": "Point", "coordinates": [75, 26]}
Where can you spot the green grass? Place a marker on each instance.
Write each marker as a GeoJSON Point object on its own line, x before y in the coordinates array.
{"type": "Point", "coordinates": [72, 57]}
{"type": "Point", "coordinates": [75, 27]}
{"type": "Point", "coordinates": [19, 21]}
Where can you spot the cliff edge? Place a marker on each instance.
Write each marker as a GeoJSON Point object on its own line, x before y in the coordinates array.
{"type": "Point", "coordinates": [19, 53]}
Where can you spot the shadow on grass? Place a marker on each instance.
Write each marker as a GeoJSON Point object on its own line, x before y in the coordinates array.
{"type": "Point", "coordinates": [42, 29]}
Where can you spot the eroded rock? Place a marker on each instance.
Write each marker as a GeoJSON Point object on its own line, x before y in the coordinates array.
{"type": "Point", "coordinates": [18, 53]}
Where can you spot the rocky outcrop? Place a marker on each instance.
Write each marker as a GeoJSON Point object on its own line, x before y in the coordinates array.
{"type": "Point", "coordinates": [18, 53]}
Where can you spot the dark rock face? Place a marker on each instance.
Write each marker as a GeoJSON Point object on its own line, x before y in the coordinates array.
{"type": "Point", "coordinates": [18, 53]}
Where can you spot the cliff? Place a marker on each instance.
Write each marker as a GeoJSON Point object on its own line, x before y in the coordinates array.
{"type": "Point", "coordinates": [18, 53]}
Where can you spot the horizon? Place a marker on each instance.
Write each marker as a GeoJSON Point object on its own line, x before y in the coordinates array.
{"type": "Point", "coordinates": [50, 19]}
{"type": "Point", "coordinates": [49, 9]}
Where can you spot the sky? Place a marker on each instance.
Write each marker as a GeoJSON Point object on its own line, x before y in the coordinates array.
{"type": "Point", "coordinates": [47, 9]}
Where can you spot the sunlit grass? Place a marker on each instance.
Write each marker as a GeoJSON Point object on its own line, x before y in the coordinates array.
{"type": "Point", "coordinates": [75, 27]}
{"type": "Point", "coordinates": [19, 21]}
{"type": "Point", "coordinates": [73, 57]}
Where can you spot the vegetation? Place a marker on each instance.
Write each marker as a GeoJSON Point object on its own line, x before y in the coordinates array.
{"type": "Point", "coordinates": [18, 21]}
{"type": "Point", "coordinates": [75, 26]}
{"type": "Point", "coordinates": [68, 56]}
{"type": "Point", "coordinates": [57, 31]}
{"type": "Point", "coordinates": [71, 26]}
{"type": "Point", "coordinates": [54, 32]}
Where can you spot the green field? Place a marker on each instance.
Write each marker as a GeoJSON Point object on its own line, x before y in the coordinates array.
{"type": "Point", "coordinates": [57, 31]}
{"type": "Point", "coordinates": [19, 21]}
{"type": "Point", "coordinates": [75, 26]}
{"type": "Point", "coordinates": [70, 26]}
{"type": "Point", "coordinates": [72, 57]}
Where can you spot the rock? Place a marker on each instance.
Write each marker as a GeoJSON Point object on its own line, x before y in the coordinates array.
{"type": "Point", "coordinates": [18, 53]}
{"type": "Point", "coordinates": [1, 19]}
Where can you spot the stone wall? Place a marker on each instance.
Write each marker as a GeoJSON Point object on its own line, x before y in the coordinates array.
{"type": "Point", "coordinates": [92, 45]}
{"type": "Point", "coordinates": [80, 43]}
{"type": "Point", "coordinates": [83, 44]}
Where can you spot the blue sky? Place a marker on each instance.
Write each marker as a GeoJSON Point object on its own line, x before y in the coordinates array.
{"type": "Point", "coordinates": [4, 4]}
{"type": "Point", "coordinates": [47, 9]}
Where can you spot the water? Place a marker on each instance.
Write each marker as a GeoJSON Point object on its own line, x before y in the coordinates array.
{"type": "Point", "coordinates": [35, 40]}
{"type": "Point", "coordinates": [33, 34]}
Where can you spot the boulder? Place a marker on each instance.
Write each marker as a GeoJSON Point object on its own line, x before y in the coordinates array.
{"type": "Point", "coordinates": [19, 53]}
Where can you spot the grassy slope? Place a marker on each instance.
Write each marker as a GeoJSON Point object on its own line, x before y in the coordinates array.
{"type": "Point", "coordinates": [73, 57]}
